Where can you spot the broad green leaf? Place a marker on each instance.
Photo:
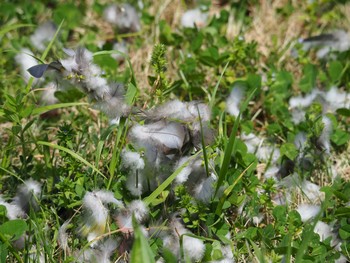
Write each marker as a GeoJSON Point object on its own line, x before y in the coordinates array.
{"type": "Point", "coordinates": [340, 137]}
{"type": "Point", "coordinates": [141, 251]}
{"type": "Point", "coordinates": [13, 228]}
{"type": "Point", "coordinates": [308, 82]}
{"type": "Point", "coordinates": [344, 231]}
{"type": "Point", "coordinates": [335, 70]}
{"type": "Point", "coordinates": [344, 112]}
{"type": "Point", "coordinates": [289, 150]}
{"type": "Point", "coordinates": [130, 94]}
{"type": "Point", "coordinates": [342, 212]}
{"type": "Point", "coordinates": [254, 81]}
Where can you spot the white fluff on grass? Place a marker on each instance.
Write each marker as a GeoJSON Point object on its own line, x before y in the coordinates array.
{"type": "Point", "coordinates": [251, 141]}
{"type": "Point", "coordinates": [28, 195]}
{"type": "Point", "coordinates": [123, 16]}
{"type": "Point", "coordinates": [81, 72]}
{"type": "Point", "coordinates": [297, 105]}
{"type": "Point", "coordinates": [235, 99]}
{"type": "Point", "coordinates": [337, 99]}
{"type": "Point", "coordinates": [290, 181]}
{"type": "Point", "coordinates": [193, 248]}
{"type": "Point", "coordinates": [97, 214]}
{"type": "Point", "coordinates": [204, 191]}
{"type": "Point", "coordinates": [25, 60]}
{"type": "Point", "coordinates": [338, 40]}
{"type": "Point", "coordinates": [121, 47]}
{"type": "Point", "coordinates": [89, 79]}
{"type": "Point", "coordinates": [194, 115]}
{"type": "Point", "coordinates": [194, 18]}
{"type": "Point", "coordinates": [62, 238]}
{"type": "Point", "coordinates": [330, 100]}
{"type": "Point", "coordinates": [272, 172]}
{"type": "Point", "coordinates": [124, 217]}
{"type": "Point", "coordinates": [43, 35]}
{"type": "Point", "coordinates": [132, 160]}
{"type": "Point", "coordinates": [324, 139]}
{"type": "Point", "coordinates": [162, 136]}
{"type": "Point", "coordinates": [106, 249]}
{"type": "Point", "coordinates": [300, 141]}
{"type": "Point", "coordinates": [267, 153]}
{"type": "Point", "coordinates": [48, 94]}
{"type": "Point", "coordinates": [324, 231]}
{"type": "Point", "coordinates": [182, 177]}
{"type": "Point", "coordinates": [101, 253]}
{"type": "Point", "coordinates": [264, 152]}
{"type": "Point", "coordinates": [228, 254]}
{"type": "Point", "coordinates": [13, 211]}
{"type": "Point", "coordinates": [184, 111]}
{"type": "Point", "coordinates": [258, 219]}
{"type": "Point", "coordinates": [312, 191]}
{"type": "Point", "coordinates": [36, 256]}
{"type": "Point", "coordinates": [136, 183]}
{"type": "Point", "coordinates": [304, 101]}
{"type": "Point", "coordinates": [113, 103]}
{"type": "Point", "coordinates": [307, 211]}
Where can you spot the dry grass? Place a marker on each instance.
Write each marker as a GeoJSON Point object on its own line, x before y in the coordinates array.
{"type": "Point", "coordinates": [272, 31]}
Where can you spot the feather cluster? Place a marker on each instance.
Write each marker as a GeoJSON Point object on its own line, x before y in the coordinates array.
{"type": "Point", "coordinates": [338, 40]}
{"type": "Point", "coordinates": [193, 248]}
{"type": "Point", "coordinates": [194, 18]}
{"type": "Point", "coordinates": [169, 132]}
{"type": "Point", "coordinates": [96, 213]}
{"type": "Point", "coordinates": [123, 16]}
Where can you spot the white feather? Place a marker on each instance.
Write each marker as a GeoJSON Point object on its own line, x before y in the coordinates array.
{"type": "Point", "coordinates": [27, 195]}
{"type": "Point", "coordinates": [43, 35]}
{"type": "Point", "coordinates": [25, 60]}
{"type": "Point", "coordinates": [308, 212]}
{"type": "Point", "coordinates": [312, 191]}
{"type": "Point", "coordinates": [194, 17]}
{"type": "Point", "coordinates": [324, 139]}
{"type": "Point", "coordinates": [234, 100]}
{"type": "Point", "coordinates": [132, 160]}
{"type": "Point", "coordinates": [13, 210]}
{"type": "Point", "coordinates": [204, 191]}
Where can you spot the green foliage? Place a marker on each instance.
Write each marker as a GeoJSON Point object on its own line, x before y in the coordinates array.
{"type": "Point", "coordinates": [141, 251]}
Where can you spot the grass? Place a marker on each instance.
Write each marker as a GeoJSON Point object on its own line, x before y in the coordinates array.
{"type": "Point", "coordinates": [225, 190]}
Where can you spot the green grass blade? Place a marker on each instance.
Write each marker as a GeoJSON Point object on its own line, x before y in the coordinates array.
{"type": "Point", "coordinates": [46, 108]}
{"type": "Point", "coordinates": [9, 28]}
{"type": "Point", "coordinates": [230, 145]}
{"type": "Point", "coordinates": [149, 199]}
{"type": "Point", "coordinates": [118, 145]}
{"type": "Point", "coordinates": [212, 99]}
{"type": "Point", "coordinates": [43, 56]}
{"type": "Point", "coordinates": [73, 154]}
{"type": "Point", "coordinates": [205, 156]}
{"type": "Point", "coordinates": [49, 46]}
{"type": "Point", "coordinates": [258, 253]}
{"type": "Point", "coordinates": [229, 189]}
{"type": "Point", "coordinates": [141, 251]}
